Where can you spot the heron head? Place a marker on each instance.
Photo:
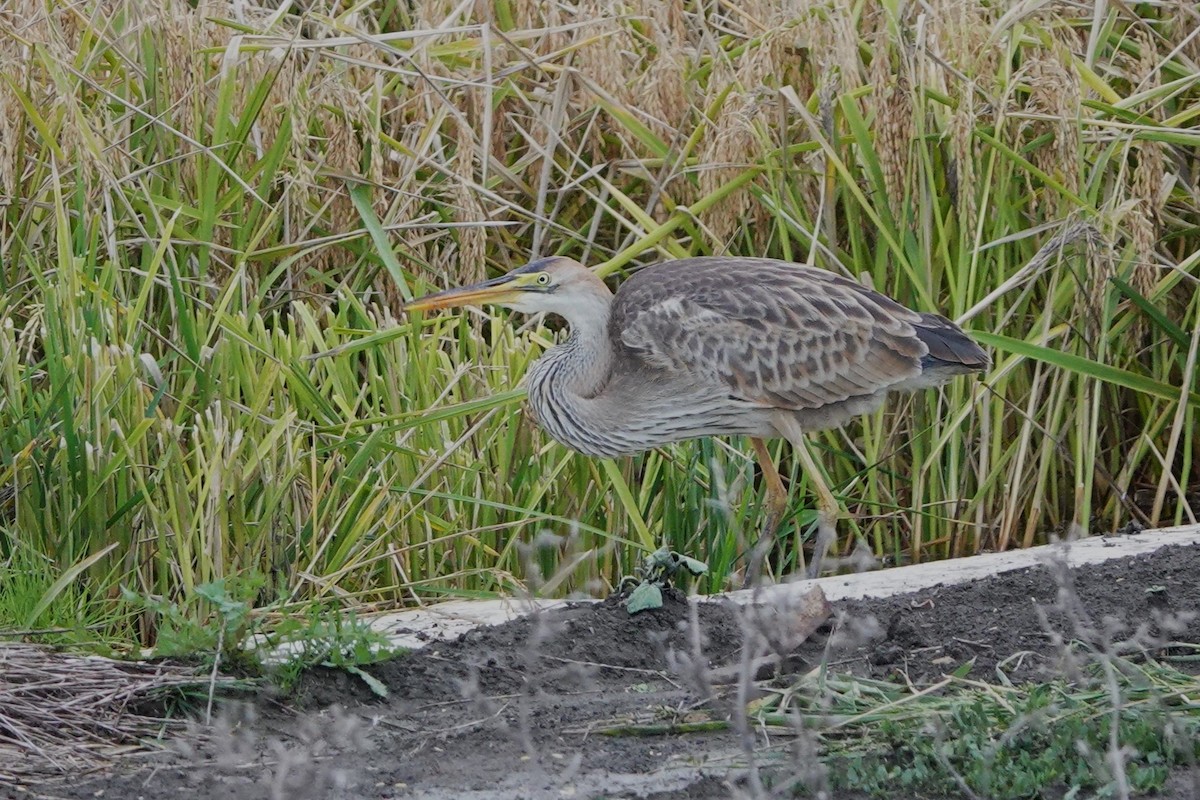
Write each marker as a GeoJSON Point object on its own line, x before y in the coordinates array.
{"type": "Point", "coordinates": [556, 285]}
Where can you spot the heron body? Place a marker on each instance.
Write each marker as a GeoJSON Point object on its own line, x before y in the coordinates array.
{"type": "Point", "coordinates": [718, 346]}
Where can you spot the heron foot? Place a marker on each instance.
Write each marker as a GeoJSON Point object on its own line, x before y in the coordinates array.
{"type": "Point", "coordinates": [826, 537]}
{"type": "Point", "coordinates": [762, 548]}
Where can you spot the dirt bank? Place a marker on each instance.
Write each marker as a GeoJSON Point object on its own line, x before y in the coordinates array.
{"type": "Point", "coordinates": [513, 711]}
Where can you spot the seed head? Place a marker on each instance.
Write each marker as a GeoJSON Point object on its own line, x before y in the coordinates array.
{"type": "Point", "coordinates": [1053, 107]}
{"type": "Point", "coordinates": [895, 126]}
{"type": "Point", "coordinates": [962, 146]}
{"type": "Point", "coordinates": [1149, 176]}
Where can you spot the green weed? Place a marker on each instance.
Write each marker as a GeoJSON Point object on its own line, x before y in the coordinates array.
{"type": "Point", "coordinates": [1016, 744]}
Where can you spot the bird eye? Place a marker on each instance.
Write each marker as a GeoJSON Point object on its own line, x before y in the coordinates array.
{"type": "Point", "coordinates": [543, 279]}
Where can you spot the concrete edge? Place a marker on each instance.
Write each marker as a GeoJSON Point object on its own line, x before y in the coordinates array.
{"type": "Point", "coordinates": [418, 627]}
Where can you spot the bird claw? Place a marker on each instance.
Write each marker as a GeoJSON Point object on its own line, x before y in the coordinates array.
{"type": "Point", "coordinates": [826, 536]}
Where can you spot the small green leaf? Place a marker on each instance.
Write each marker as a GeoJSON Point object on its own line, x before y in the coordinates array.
{"type": "Point", "coordinates": [360, 195]}
{"type": "Point", "coordinates": [377, 687]}
{"type": "Point", "coordinates": [645, 596]}
{"type": "Point", "coordinates": [218, 594]}
{"type": "Point", "coordinates": [1160, 319]}
{"type": "Point", "coordinates": [964, 669]}
{"type": "Point", "coordinates": [659, 559]}
{"type": "Point", "coordinates": [694, 566]}
{"type": "Point", "coordinates": [807, 517]}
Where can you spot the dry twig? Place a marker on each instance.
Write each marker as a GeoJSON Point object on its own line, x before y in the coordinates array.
{"type": "Point", "coordinates": [62, 712]}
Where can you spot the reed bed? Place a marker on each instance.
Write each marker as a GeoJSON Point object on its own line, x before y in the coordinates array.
{"type": "Point", "coordinates": [197, 199]}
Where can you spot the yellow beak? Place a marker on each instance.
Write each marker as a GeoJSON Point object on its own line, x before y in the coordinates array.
{"type": "Point", "coordinates": [497, 290]}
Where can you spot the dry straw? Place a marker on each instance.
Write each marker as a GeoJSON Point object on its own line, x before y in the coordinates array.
{"type": "Point", "coordinates": [65, 713]}
{"type": "Point", "coordinates": [1185, 25]}
{"type": "Point", "coordinates": [730, 149]}
{"type": "Point", "coordinates": [961, 31]}
{"type": "Point", "coordinates": [472, 237]}
{"type": "Point", "coordinates": [606, 49]}
{"type": "Point", "coordinates": [743, 127]}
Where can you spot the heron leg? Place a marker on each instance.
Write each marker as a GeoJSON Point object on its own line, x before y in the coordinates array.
{"type": "Point", "coordinates": [828, 509]}
{"type": "Point", "coordinates": [776, 502]}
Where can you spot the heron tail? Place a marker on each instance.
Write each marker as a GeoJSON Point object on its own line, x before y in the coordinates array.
{"type": "Point", "coordinates": [950, 349]}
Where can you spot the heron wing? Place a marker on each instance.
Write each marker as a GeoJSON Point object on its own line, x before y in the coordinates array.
{"type": "Point", "coordinates": [775, 333]}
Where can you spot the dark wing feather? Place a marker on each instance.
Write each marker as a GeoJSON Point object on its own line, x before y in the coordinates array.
{"type": "Point", "coordinates": [780, 334]}
{"type": "Point", "coordinates": [949, 346]}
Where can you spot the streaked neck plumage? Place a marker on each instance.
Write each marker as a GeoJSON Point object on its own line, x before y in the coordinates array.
{"type": "Point", "coordinates": [564, 383]}
{"type": "Point", "coordinates": [582, 364]}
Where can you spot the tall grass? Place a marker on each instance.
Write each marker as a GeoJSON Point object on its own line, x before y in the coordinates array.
{"type": "Point", "coordinates": [195, 202]}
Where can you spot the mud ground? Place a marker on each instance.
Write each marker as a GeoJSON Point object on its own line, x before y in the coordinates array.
{"type": "Point", "coordinates": [513, 711]}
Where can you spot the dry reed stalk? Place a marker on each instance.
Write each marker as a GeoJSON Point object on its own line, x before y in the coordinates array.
{"type": "Point", "coordinates": [319, 95]}
{"type": "Point", "coordinates": [730, 148]}
{"type": "Point", "coordinates": [66, 713]}
{"type": "Point", "coordinates": [1184, 28]}
{"type": "Point", "coordinates": [362, 57]}
{"type": "Point", "coordinates": [959, 32]}
{"type": "Point", "coordinates": [531, 15]}
{"type": "Point", "coordinates": [329, 94]}
{"type": "Point", "coordinates": [429, 15]}
{"type": "Point", "coordinates": [12, 129]}
{"type": "Point", "coordinates": [400, 170]}
{"type": "Point", "coordinates": [827, 31]}
{"type": "Point", "coordinates": [342, 155]}
{"type": "Point", "coordinates": [836, 36]}
{"type": "Point", "coordinates": [736, 138]}
{"type": "Point", "coordinates": [1089, 302]}
{"type": "Point", "coordinates": [29, 35]}
{"type": "Point", "coordinates": [828, 35]}
{"type": "Point", "coordinates": [181, 36]}
{"type": "Point", "coordinates": [963, 30]}
{"type": "Point", "coordinates": [1146, 221]}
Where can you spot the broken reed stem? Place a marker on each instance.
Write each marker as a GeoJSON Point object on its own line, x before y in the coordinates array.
{"type": "Point", "coordinates": [65, 713]}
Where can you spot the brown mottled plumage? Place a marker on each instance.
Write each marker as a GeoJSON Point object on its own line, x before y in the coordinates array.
{"type": "Point", "coordinates": [786, 335]}
{"type": "Point", "coordinates": [719, 346]}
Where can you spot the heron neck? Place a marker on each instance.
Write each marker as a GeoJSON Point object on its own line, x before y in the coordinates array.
{"type": "Point", "coordinates": [587, 356]}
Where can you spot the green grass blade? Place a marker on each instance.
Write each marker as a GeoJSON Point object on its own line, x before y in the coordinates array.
{"type": "Point", "coordinates": [1086, 366]}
